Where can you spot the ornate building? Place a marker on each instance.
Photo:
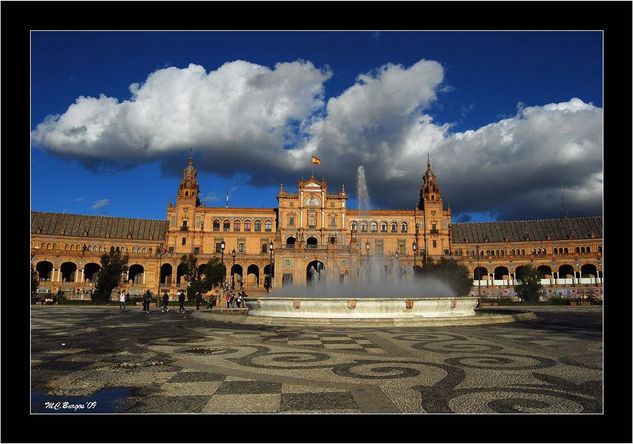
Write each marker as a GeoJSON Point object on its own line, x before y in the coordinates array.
{"type": "Point", "coordinates": [312, 227]}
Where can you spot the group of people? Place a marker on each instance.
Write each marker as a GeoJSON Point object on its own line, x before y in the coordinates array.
{"type": "Point", "coordinates": [225, 293]}
{"type": "Point", "coordinates": [216, 296]}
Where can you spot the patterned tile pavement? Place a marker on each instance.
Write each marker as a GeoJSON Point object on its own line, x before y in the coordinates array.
{"type": "Point", "coordinates": [169, 363]}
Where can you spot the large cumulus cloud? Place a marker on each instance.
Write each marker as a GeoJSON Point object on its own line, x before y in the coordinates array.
{"type": "Point", "coordinates": [266, 123]}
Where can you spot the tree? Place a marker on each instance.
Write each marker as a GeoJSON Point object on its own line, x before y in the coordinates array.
{"type": "Point", "coordinates": [214, 271]}
{"type": "Point", "coordinates": [530, 288]}
{"type": "Point", "coordinates": [35, 280]}
{"type": "Point", "coordinates": [449, 271]}
{"type": "Point", "coordinates": [113, 265]}
{"type": "Point", "coordinates": [201, 281]}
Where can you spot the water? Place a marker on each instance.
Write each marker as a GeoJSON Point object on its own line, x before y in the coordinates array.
{"type": "Point", "coordinates": [104, 401]}
{"type": "Point", "coordinates": [377, 278]}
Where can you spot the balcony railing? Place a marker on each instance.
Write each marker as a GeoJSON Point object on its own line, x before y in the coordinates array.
{"type": "Point", "coordinates": [184, 228]}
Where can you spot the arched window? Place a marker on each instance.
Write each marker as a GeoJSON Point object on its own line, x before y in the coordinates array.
{"type": "Point", "coordinates": [226, 226]}
{"type": "Point", "coordinates": [383, 227]}
{"type": "Point", "coordinates": [247, 225]}
{"type": "Point", "coordinates": [237, 225]}
{"type": "Point", "coordinates": [363, 227]}
{"type": "Point", "coordinates": [374, 227]}
{"type": "Point", "coordinates": [403, 227]}
{"type": "Point", "coordinates": [582, 249]}
{"type": "Point", "coordinates": [332, 222]}
{"type": "Point", "coordinates": [216, 225]}
{"type": "Point", "coordinates": [394, 227]}
{"type": "Point", "coordinates": [577, 250]}
{"type": "Point", "coordinates": [566, 250]}
{"type": "Point", "coordinates": [268, 225]}
{"type": "Point", "coordinates": [258, 225]}
{"type": "Point", "coordinates": [144, 251]}
{"type": "Point", "coordinates": [354, 226]}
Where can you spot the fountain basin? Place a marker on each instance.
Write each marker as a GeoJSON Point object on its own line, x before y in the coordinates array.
{"type": "Point", "coordinates": [362, 308]}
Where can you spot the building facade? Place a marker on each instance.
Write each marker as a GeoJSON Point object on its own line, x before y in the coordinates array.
{"type": "Point", "coordinates": [311, 229]}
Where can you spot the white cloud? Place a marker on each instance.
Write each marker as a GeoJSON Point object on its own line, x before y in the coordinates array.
{"type": "Point", "coordinates": [244, 114]}
{"type": "Point", "coordinates": [100, 203]}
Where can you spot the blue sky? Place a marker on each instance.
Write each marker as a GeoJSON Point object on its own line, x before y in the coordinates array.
{"type": "Point", "coordinates": [505, 117]}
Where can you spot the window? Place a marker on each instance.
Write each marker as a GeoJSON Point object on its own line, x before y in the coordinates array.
{"type": "Point", "coordinates": [226, 226]}
{"type": "Point", "coordinates": [380, 249]}
{"type": "Point", "coordinates": [363, 227]}
{"type": "Point", "coordinates": [394, 227]}
{"type": "Point", "coordinates": [268, 225]}
{"type": "Point", "coordinates": [184, 241]}
{"type": "Point", "coordinates": [241, 247]}
{"type": "Point", "coordinates": [184, 224]}
{"type": "Point", "coordinates": [218, 247]}
{"type": "Point", "coordinates": [434, 243]}
{"type": "Point", "coordinates": [311, 221]}
{"type": "Point", "coordinates": [588, 249]}
{"type": "Point", "coordinates": [354, 226]}
{"type": "Point", "coordinates": [247, 225]}
{"type": "Point", "coordinates": [216, 225]}
{"type": "Point", "coordinates": [258, 225]}
{"type": "Point", "coordinates": [291, 221]}
{"type": "Point", "coordinates": [171, 249]}
{"type": "Point", "coordinates": [332, 222]}
{"type": "Point", "coordinates": [402, 247]}
{"type": "Point", "coordinates": [403, 227]}
{"type": "Point", "coordinates": [237, 225]}
{"type": "Point", "coordinates": [374, 227]}
{"type": "Point", "coordinates": [383, 227]}
{"type": "Point", "coordinates": [196, 250]}
{"type": "Point", "coordinates": [197, 221]}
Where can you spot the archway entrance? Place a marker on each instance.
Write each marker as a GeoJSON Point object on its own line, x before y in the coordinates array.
{"type": "Point", "coordinates": [90, 272]}
{"type": "Point", "coordinates": [68, 270]}
{"type": "Point", "coordinates": [44, 271]}
{"type": "Point", "coordinates": [314, 272]}
{"type": "Point", "coordinates": [136, 274]}
{"type": "Point", "coordinates": [252, 276]}
{"type": "Point", "coordinates": [237, 273]}
{"type": "Point", "coordinates": [165, 275]}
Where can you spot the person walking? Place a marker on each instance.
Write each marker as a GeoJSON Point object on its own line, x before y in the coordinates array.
{"type": "Point", "coordinates": [147, 299]}
{"type": "Point", "coordinates": [198, 300]}
{"type": "Point", "coordinates": [228, 299]}
{"type": "Point", "coordinates": [122, 301]}
{"type": "Point", "coordinates": [238, 301]}
{"type": "Point", "coordinates": [181, 300]}
{"type": "Point", "coordinates": [165, 301]}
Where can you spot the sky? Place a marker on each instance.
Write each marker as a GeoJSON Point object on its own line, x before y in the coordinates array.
{"type": "Point", "coordinates": [505, 118]}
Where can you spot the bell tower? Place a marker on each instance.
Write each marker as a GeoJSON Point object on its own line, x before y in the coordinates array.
{"type": "Point", "coordinates": [435, 223]}
{"type": "Point", "coordinates": [430, 191]}
{"type": "Point", "coordinates": [189, 189]}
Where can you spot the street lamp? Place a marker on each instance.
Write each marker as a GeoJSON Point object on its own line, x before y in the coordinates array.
{"type": "Point", "coordinates": [415, 247]}
{"type": "Point", "coordinates": [222, 246]}
{"type": "Point", "coordinates": [270, 272]}
{"type": "Point", "coordinates": [232, 273]}
{"type": "Point", "coordinates": [479, 277]}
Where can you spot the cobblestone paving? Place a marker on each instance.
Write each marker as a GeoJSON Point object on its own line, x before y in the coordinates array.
{"type": "Point", "coordinates": [173, 363]}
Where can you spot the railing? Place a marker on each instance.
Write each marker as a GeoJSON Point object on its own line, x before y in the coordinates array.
{"type": "Point", "coordinates": [184, 228]}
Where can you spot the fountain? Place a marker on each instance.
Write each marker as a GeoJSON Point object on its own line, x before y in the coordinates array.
{"type": "Point", "coordinates": [383, 294]}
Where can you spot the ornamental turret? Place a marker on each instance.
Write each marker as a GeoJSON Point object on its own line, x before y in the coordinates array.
{"type": "Point", "coordinates": [189, 189]}
{"type": "Point", "coordinates": [430, 191]}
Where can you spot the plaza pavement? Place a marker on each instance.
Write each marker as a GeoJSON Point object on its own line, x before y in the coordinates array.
{"type": "Point", "coordinates": [111, 361]}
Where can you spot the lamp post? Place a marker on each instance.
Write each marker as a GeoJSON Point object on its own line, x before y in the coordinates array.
{"type": "Point", "coordinates": [415, 247]}
{"type": "Point", "coordinates": [478, 280]}
{"type": "Point", "coordinates": [222, 246]}
{"type": "Point", "coordinates": [232, 273]}
{"type": "Point", "coordinates": [270, 273]}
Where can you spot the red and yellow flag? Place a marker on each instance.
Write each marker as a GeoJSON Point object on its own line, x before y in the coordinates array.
{"type": "Point", "coordinates": [316, 160]}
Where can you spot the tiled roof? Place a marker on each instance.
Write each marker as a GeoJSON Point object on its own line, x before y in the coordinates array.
{"type": "Point", "coordinates": [97, 226]}
{"type": "Point", "coordinates": [516, 231]}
